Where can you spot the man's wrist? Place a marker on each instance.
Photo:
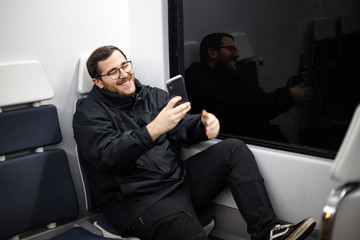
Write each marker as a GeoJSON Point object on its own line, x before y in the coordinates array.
{"type": "Point", "coordinates": [153, 131]}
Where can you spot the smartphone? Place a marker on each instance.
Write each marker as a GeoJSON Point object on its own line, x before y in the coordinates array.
{"type": "Point", "coordinates": [176, 87]}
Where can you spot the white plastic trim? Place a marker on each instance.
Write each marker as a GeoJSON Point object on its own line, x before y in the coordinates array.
{"type": "Point", "coordinates": [14, 238]}
{"type": "Point", "coordinates": [82, 178]}
{"type": "Point", "coordinates": [191, 53]}
{"type": "Point", "coordinates": [242, 43]}
{"type": "Point", "coordinates": [84, 80]}
{"type": "Point", "coordinates": [346, 165]}
{"type": "Point", "coordinates": [39, 149]}
{"type": "Point", "coordinates": [106, 233]}
{"type": "Point", "coordinates": [51, 225]}
{"type": "Point", "coordinates": [23, 82]}
{"type": "Point", "coordinates": [36, 104]}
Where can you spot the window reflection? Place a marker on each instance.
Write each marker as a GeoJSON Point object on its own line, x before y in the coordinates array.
{"type": "Point", "coordinates": [283, 46]}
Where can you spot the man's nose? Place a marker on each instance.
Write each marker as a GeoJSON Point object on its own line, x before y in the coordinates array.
{"type": "Point", "coordinates": [123, 72]}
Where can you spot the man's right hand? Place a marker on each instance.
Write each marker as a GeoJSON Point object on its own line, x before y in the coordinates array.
{"type": "Point", "coordinates": [301, 93]}
{"type": "Point", "coordinates": [168, 118]}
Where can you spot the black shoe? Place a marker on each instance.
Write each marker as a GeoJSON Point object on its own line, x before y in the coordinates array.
{"type": "Point", "coordinates": [293, 231]}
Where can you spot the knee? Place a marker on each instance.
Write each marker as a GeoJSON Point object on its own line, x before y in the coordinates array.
{"type": "Point", "coordinates": [233, 144]}
{"type": "Point", "coordinates": [239, 151]}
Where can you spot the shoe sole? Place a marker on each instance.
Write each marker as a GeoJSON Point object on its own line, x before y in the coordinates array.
{"type": "Point", "coordinates": [303, 230]}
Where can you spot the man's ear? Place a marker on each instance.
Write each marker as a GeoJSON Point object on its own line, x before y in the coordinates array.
{"type": "Point", "coordinates": [212, 53]}
{"type": "Point", "coordinates": [98, 83]}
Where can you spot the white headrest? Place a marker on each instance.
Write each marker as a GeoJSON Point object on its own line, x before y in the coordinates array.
{"type": "Point", "coordinates": [349, 24]}
{"type": "Point", "coordinates": [191, 53]}
{"type": "Point", "coordinates": [23, 82]}
{"type": "Point", "coordinates": [242, 43]}
{"type": "Point", "coordinates": [85, 82]}
{"type": "Point", "coordinates": [346, 165]}
{"type": "Point", "coordinates": [324, 28]}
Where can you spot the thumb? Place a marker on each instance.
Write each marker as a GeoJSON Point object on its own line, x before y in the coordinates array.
{"type": "Point", "coordinates": [204, 114]}
{"type": "Point", "coordinates": [173, 101]}
{"type": "Point", "coordinates": [204, 117]}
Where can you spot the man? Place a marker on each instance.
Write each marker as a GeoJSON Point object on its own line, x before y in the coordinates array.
{"type": "Point", "coordinates": [129, 137]}
{"type": "Point", "coordinates": [229, 89]}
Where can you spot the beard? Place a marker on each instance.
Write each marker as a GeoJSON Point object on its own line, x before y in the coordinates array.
{"type": "Point", "coordinates": [225, 67]}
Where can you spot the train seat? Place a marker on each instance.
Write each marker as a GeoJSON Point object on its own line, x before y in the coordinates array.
{"type": "Point", "coordinates": [331, 90]}
{"type": "Point", "coordinates": [39, 200]}
{"type": "Point", "coordinates": [242, 43]}
{"type": "Point", "coordinates": [191, 53]}
{"type": "Point", "coordinates": [349, 55]}
{"type": "Point", "coordinates": [341, 213]}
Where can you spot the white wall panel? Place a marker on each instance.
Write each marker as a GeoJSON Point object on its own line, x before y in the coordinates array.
{"type": "Point", "coordinates": [58, 32]}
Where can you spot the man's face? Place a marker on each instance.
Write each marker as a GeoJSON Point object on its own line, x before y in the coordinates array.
{"type": "Point", "coordinates": [124, 84]}
{"type": "Point", "coordinates": [226, 58]}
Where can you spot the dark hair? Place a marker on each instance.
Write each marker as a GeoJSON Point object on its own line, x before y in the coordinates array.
{"type": "Point", "coordinates": [213, 40]}
{"type": "Point", "coordinates": [101, 53]}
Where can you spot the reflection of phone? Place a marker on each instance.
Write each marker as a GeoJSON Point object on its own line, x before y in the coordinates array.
{"type": "Point", "coordinates": [176, 87]}
{"type": "Point", "coordinates": [297, 79]}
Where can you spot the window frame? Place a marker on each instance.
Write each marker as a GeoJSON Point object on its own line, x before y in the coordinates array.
{"type": "Point", "coordinates": [176, 63]}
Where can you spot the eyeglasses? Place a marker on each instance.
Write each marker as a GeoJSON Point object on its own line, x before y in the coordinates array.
{"type": "Point", "coordinates": [233, 49]}
{"type": "Point", "coordinates": [116, 73]}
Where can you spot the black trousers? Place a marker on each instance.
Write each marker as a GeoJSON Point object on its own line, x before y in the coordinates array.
{"type": "Point", "coordinates": [228, 163]}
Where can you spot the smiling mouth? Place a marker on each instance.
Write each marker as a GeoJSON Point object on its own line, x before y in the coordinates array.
{"type": "Point", "coordinates": [125, 82]}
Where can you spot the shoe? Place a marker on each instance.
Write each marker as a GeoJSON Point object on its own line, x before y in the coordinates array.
{"type": "Point", "coordinates": [293, 231]}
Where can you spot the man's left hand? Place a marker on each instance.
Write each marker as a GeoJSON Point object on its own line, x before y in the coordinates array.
{"type": "Point", "coordinates": [211, 123]}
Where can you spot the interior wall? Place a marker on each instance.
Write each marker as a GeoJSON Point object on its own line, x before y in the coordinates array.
{"type": "Point", "coordinates": [203, 17]}
{"type": "Point", "coordinates": [149, 43]}
{"type": "Point", "coordinates": [58, 32]}
{"type": "Point", "coordinates": [284, 30]}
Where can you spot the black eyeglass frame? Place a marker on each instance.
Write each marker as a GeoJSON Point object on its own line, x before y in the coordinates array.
{"type": "Point", "coordinates": [233, 49]}
{"type": "Point", "coordinates": [117, 69]}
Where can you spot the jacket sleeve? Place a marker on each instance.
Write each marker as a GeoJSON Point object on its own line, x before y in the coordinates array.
{"type": "Point", "coordinates": [263, 105]}
{"type": "Point", "coordinates": [228, 95]}
{"type": "Point", "coordinates": [190, 129]}
{"type": "Point", "coordinates": [101, 145]}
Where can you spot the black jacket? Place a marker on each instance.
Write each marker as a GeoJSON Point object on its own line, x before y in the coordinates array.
{"type": "Point", "coordinates": [126, 169]}
{"type": "Point", "coordinates": [242, 107]}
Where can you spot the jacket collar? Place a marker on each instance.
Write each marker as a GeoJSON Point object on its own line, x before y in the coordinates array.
{"type": "Point", "coordinates": [112, 98]}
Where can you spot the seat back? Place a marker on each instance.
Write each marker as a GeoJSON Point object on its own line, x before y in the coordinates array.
{"type": "Point", "coordinates": [349, 54]}
{"type": "Point", "coordinates": [341, 213]}
{"type": "Point", "coordinates": [23, 82]}
{"type": "Point", "coordinates": [242, 43]}
{"type": "Point", "coordinates": [346, 166]}
{"type": "Point", "coordinates": [325, 64]}
{"type": "Point", "coordinates": [83, 88]}
{"type": "Point", "coordinates": [84, 80]}
{"type": "Point", "coordinates": [35, 181]}
{"type": "Point", "coordinates": [191, 53]}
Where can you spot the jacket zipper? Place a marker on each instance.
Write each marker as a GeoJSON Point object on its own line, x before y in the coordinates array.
{"type": "Point", "coordinates": [137, 99]}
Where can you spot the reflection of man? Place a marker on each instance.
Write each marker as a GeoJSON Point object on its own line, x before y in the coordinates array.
{"type": "Point", "coordinates": [221, 86]}
{"type": "Point", "coordinates": [129, 138]}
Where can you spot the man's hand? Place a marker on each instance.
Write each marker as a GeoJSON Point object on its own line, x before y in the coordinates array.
{"type": "Point", "coordinates": [211, 123]}
{"type": "Point", "coordinates": [301, 93]}
{"type": "Point", "coordinates": [168, 118]}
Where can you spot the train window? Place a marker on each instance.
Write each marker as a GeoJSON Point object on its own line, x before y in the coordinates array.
{"type": "Point", "coordinates": [285, 76]}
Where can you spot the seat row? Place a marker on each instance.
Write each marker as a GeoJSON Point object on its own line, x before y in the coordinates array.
{"type": "Point", "coordinates": [335, 60]}
{"type": "Point", "coordinates": [38, 195]}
